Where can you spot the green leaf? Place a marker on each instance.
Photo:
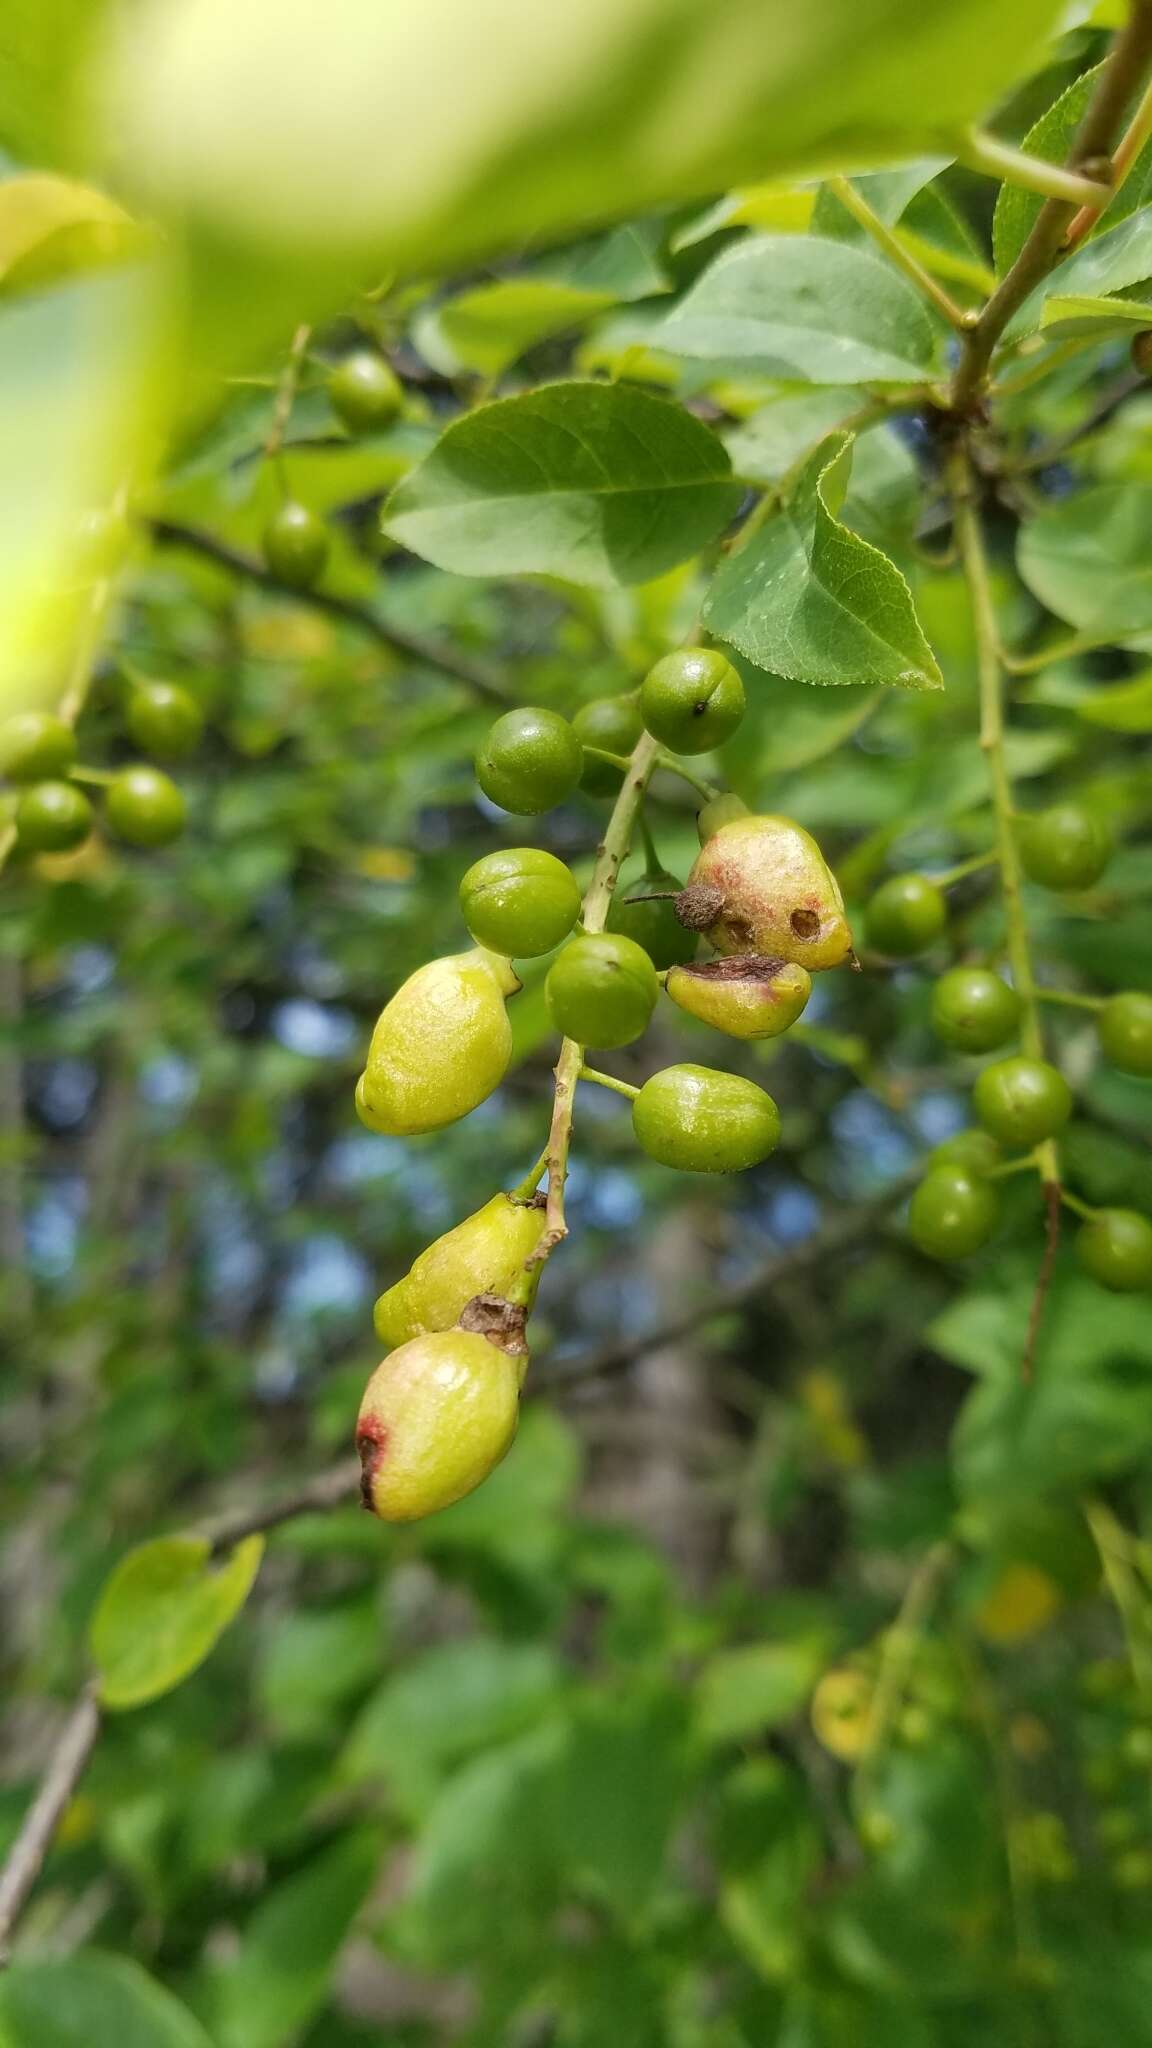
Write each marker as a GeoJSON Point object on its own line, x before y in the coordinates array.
{"type": "Point", "coordinates": [787, 727]}
{"type": "Point", "coordinates": [455, 1698]}
{"type": "Point", "coordinates": [592, 482]}
{"type": "Point", "coordinates": [1088, 559]}
{"type": "Point", "coordinates": [809, 599]}
{"type": "Point", "coordinates": [884, 495]}
{"type": "Point", "coordinates": [1071, 315]}
{"type": "Point", "coordinates": [162, 1610]}
{"type": "Point", "coordinates": [1119, 707]}
{"type": "Point", "coordinates": [767, 444]}
{"type": "Point", "coordinates": [45, 46]}
{"type": "Point", "coordinates": [50, 226]}
{"type": "Point", "coordinates": [280, 1976]}
{"type": "Point", "coordinates": [91, 2000]}
{"type": "Point", "coordinates": [743, 1691]}
{"type": "Point", "coordinates": [888, 193]}
{"type": "Point", "coordinates": [625, 263]}
{"type": "Point", "coordinates": [486, 329]}
{"type": "Point", "coordinates": [1106, 264]}
{"type": "Point", "coordinates": [806, 307]}
{"type": "Point", "coordinates": [1049, 138]}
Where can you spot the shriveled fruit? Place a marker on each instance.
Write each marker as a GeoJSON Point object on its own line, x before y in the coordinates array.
{"type": "Point", "coordinates": [1022, 1101]}
{"type": "Point", "coordinates": [646, 911]}
{"type": "Point", "coordinates": [692, 700]}
{"type": "Point", "coordinates": [613, 724]}
{"type": "Point", "coordinates": [51, 817]}
{"type": "Point", "coordinates": [485, 1254]}
{"type": "Point", "coordinates": [1125, 1026]}
{"type": "Point", "coordinates": [974, 1010]}
{"type": "Point", "coordinates": [437, 1416]}
{"type": "Point", "coordinates": [761, 885]}
{"type": "Point", "coordinates": [745, 995]}
{"type": "Point", "coordinates": [1066, 847]}
{"type": "Point", "coordinates": [520, 902]}
{"type": "Point", "coordinates": [164, 720]}
{"type": "Point", "coordinates": [530, 760]}
{"type": "Point", "coordinates": [601, 990]}
{"type": "Point", "coordinates": [1115, 1247]}
{"type": "Point", "coordinates": [144, 807]}
{"type": "Point", "coordinates": [440, 1046]}
{"type": "Point", "coordinates": [952, 1213]}
{"type": "Point", "coordinates": [295, 545]}
{"type": "Point", "coordinates": [905, 916]}
{"type": "Point", "coordinates": [365, 392]}
{"type": "Point", "coordinates": [974, 1150]}
{"type": "Point", "coordinates": [35, 746]}
{"type": "Point", "coordinates": [704, 1121]}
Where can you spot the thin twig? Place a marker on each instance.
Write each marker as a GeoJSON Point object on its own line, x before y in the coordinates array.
{"type": "Point", "coordinates": [1123, 157]}
{"type": "Point", "coordinates": [429, 653]}
{"type": "Point", "coordinates": [980, 151]}
{"type": "Point", "coordinates": [1109, 402]}
{"type": "Point", "coordinates": [902, 1640]}
{"type": "Point", "coordinates": [62, 1774]}
{"type": "Point", "coordinates": [1112, 1545]}
{"type": "Point", "coordinates": [854, 203]}
{"type": "Point", "coordinates": [336, 1488]}
{"type": "Point", "coordinates": [1052, 1204]}
{"type": "Point", "coordinates": [286, 393]}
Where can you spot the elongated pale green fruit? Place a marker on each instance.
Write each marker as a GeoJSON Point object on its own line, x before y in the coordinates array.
{"type": "Point", "coordinates": [437, 1416]}
{"type": "Point", "coordinates": [761, 885]}
{"type": "Point", "coordinates": [746, 995]}
{"type": "Point", "coordinates": [483, 1255]}
{"type": "Point", "coordinates": [440, 1046]}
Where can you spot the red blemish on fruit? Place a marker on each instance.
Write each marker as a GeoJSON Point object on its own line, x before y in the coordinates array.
{"type": "Point", "coordinates": [371, 1443]}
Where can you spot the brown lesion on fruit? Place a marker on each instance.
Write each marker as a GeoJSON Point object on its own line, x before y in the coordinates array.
{"type": "Point", "coordinates": [699, 906]}
{"type": "Point", "coordinates": [537, 1201]}
{"type": "Point", "coordinates": [371, 1446]}
{"type": "Point", "coordinates": [805, 923]}
{"type": "Point", "coordinates": [502, 1322]}
{"type": "Point", "coordinates": [737, 967]}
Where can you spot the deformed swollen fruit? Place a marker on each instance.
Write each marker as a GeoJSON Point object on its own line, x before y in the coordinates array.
{"type": "Point", "coordinates": [485, 1254]}
{"type": "Point", "coordinates": [704, 1121]}
{"type": "Point", "coordinates": [746, 995]}
{"type": "Point", "coordinates": [761, 885]}
{"type": "Point", "coordinates": [437, 1416]}
{"type": "Point", "coordinates": [440, 1046]}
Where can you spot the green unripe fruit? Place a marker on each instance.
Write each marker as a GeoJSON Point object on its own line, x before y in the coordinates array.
{"type": "Point", "coordinates": [437, 1416]}
{"type": "Point", "coordinates": [1125, 1027]}
{"type": "Point", "coordinates": [746, 996]}
{"type": "Point", "coordinates": [1132, 1872]}
{"type": "Point", "coordinates": [652, 923]}
{"type": "Point", "coordinates": [704, 1121]}
{"type": "Point", "coordinates": [974, 1010]}
{"type": "Point", "coordinates": [1022, 1101]}
{"type": "Point", "coordinates": [693, 700]}
{"type": "Point", "coordinates": [1115, 1247]}
{"type": "Point", "coordinates": [906, 916]}
{"type": "Point", "coordinates": [144, 807]}
{"type": "Point", "coordinates": [718, 811]}
{"type": "Point", "coordinates": [530, 760]}
{"type": "Point", "coordinates": [164, 720]}
{"type": "Point", "coordinates": [485, 1254]}
{"type": "Point", "coordinates": [295, 545]}
{"type": "Point", "coordinates": [761, 885]}
{"type": "Point", "coordinates": [36, 747]}
{"type": "Point", "coordinates": [440, 1046]}
{"type": "Point", "coordinates": [1066, 847]}
{"type": "Point", "coordinates": [521, 902]}
{"type": "Point", "coordinates": [51, 817]}
{"type": "Point", "coordinates": [952, 1213]}
{"type": "Point", "coordinates": [365, 392]}
{"type": "Point", "coordinates": [614, 725]}
{"type": "Point", "coordinates": [601, 990]}
{"type": "Point", "coordinates": [975, 1151]}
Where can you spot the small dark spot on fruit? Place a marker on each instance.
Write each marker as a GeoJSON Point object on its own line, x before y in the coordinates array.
{"type": "Point", "coordinates": [805, 923]}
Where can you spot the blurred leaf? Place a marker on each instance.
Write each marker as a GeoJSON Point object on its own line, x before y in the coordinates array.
{"type": "Point", "coordinates": [1119, 707]}
{"type": "Point", "coordinates": [1087, 559]}
{"type": "Point", "coordinates": [163, 1610]}
{"type": "Point", "coordinates": [1074, 316]}
{"type": "Point", "coordinates": [487, 328]}
{"type": "Point", "coordinates": [787, 726]}
{"type": "Point", "coordinates": [280, 1975]}
{"type": "Point", "coordinates": [1049, 138]}
{"type": "Point", "coordinates": [452, 1699]}
{"type": "Point", "coordinates": [50, 226]}
{"type": "Point", "coordinates": [44, 48]}
{"type": "Point", "coordinates": [792, 423]}
{"type": "Point", "coordinates": [755, 1687]}
{"type": "Point", "coordinates": [91, 2001]}
{"type": "Point", "coordinates": [590, 482]}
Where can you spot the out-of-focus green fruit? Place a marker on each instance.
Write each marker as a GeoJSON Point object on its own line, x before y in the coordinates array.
{"type": "Point", "coordinates": [36, 747]}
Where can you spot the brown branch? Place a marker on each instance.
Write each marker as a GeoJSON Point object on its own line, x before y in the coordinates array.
{"type": "Point", "coordinates": [429, 653]}
{"type": "Point", "coordinates": [1044, 1277]}
{"type": "Point", "coordinates": [62, 1774]}
{"type": "Point", "coordinates": [338, 1487]}
{"type": "Point", "coordinates": [1095, 138]}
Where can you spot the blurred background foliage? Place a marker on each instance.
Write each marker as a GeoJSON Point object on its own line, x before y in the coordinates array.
{"type": "Point", "coordinates": [791, 1682]}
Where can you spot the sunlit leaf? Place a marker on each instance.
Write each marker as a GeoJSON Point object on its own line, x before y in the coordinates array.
{"type": "Point", "coordinates": [163, 1610]}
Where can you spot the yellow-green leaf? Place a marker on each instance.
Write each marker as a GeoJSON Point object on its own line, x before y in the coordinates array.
{"type": "Point", "coordinates": [50, 226]}
{"type": "Point", "coordinates": [161, 1612]}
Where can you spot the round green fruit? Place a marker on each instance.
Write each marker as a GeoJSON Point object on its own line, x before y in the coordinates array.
{"type": "Point", "coordinates": [906, 916]}
{"type": "Point", "coordinates": [1022, 1101]}
{"type": "Point", "coordinates": [646, 912]}
{"type": "Point", "coordinates": [1067, 847]}
{"type": "Point", "coordinates": [36, 747]}
{"type": "Point", "coordinates": [975, 1151]}
{"type": "Point", "coordinates": [703, 1121]}
{"type": "Point", "coordinates": [365, 392]}
{"type": "Point", "coordinates": [952, 1213]}
{"type": "Point", "coordinates": [144, 807]}
{"type": "Point", "coordinates": [521, 902]}
{"type": "Point", "coordinates": [614, 725]}
{"type": "Point", "coordinates": [601, 990]}
{"type": "Point", "coordinates": [52, 817]}
{"type": "Point", "coordinates": [295, 545]}
{"type": "Point", "coordinates": [1125, 1026]}
{"type": "Point", "coordinates": [164, 720]}
{"type": "Point", "coordinates": [974, 1010]}
{"type": "Point", "coordinates": [530, 760]}
{"type": "Point", "coordinates": [1115, 1247]}
{"type": "Point", "coordinates": [692, 701]}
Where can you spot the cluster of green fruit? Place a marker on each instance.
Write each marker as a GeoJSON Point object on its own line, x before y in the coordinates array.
{"type": "Point", "coordinates": [441, 1409]}
{"type": "Point", "coordinates": [1019, 1101]}
{"type": "Point", "coordinates": [140, 804]}
{"type": "Point", "coordinates": [366, 395]}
